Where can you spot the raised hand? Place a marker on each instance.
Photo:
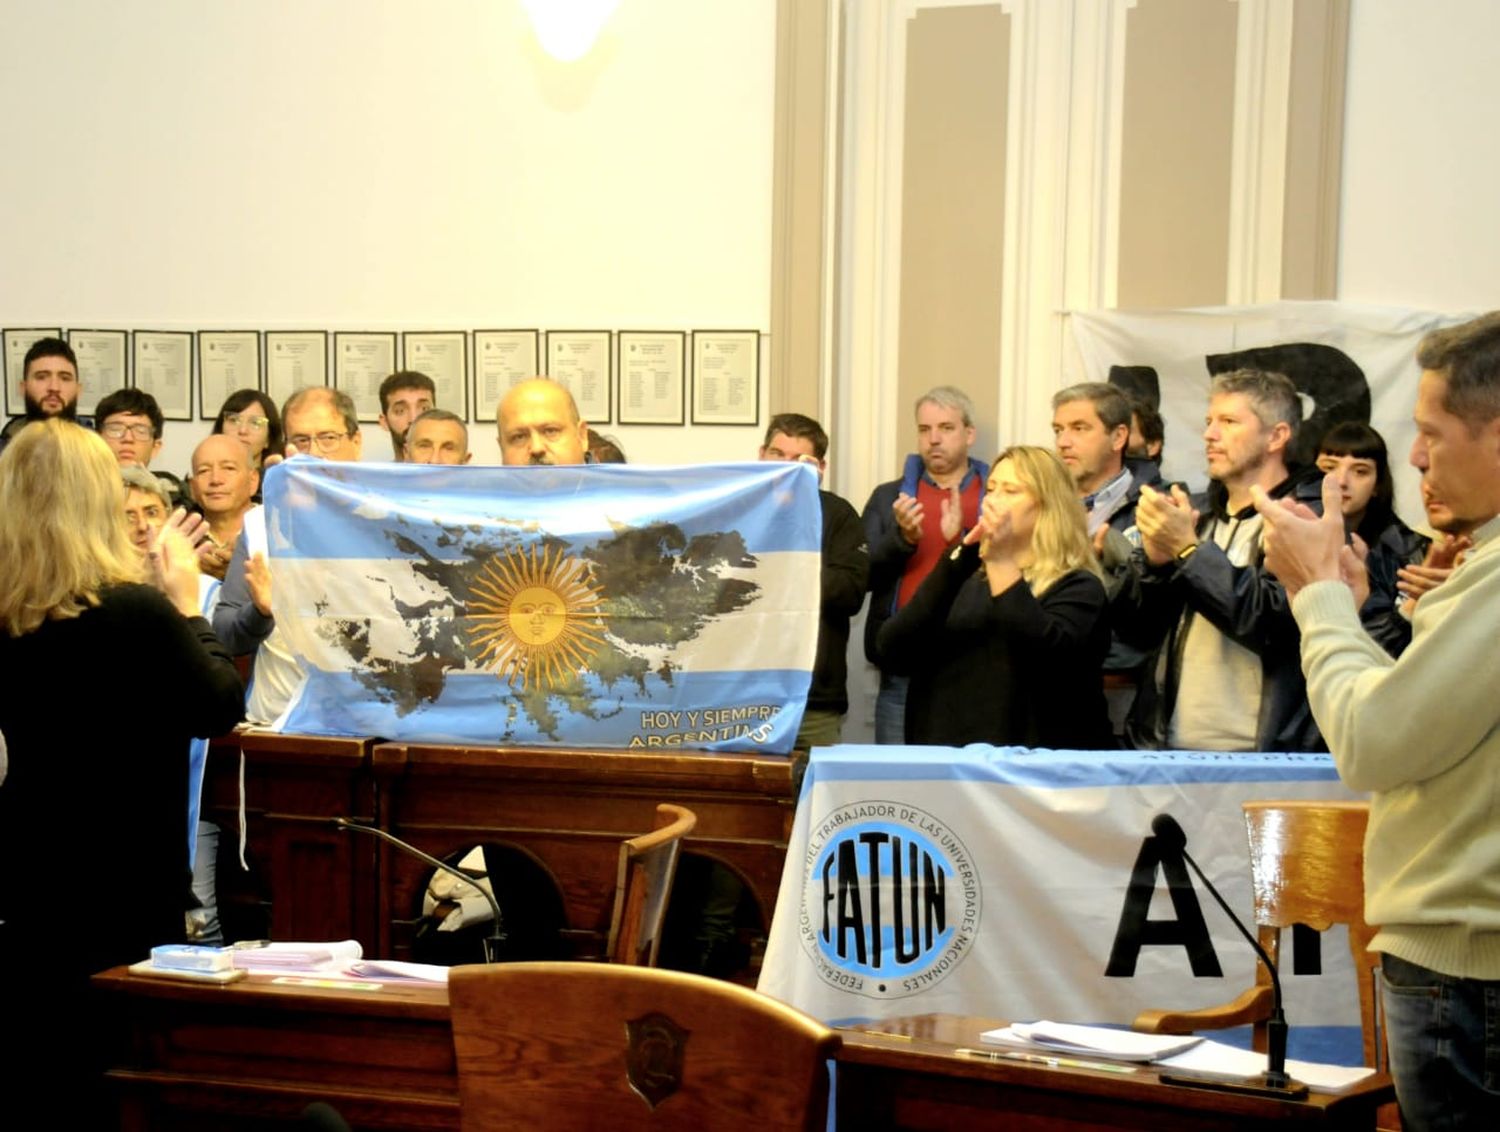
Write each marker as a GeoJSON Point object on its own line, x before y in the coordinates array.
{"type": "Point", "coordinates": [174, 569]}
{"type": "Point", "coordinates": [951, 520]}
{"type": "Point", "coordinates": [1167, 522]}
{"type": "Point", "coordinates": [1444, 553]}
{"type": "Point", "coordinates": [258, 579]}
{"type": "Point", "coordinates": [909, 514]}
{"type": "Point", "coordinates": [1302, 548]}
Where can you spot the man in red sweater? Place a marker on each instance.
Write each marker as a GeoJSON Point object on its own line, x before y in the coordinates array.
{"type": "Point", "coordinates": [902, 527]}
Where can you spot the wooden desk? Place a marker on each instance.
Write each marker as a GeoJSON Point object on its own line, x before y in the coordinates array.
{"type": "Point", "coordinates": [253, 1054]}
{"type": "Point", "coordinates": [903, 1073]}
{"type": "Point", "coordinates": [569, 808]}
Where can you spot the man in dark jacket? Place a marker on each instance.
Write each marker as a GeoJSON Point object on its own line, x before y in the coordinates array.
{"type": "Point", "coordinates": [1225, 674]}
{"type": "Point", "coordinates": [903, 521]}
{"type": "Point", "coordinates": [846, 570]}
{"type": "Point", "coordinates": [1091, 425]}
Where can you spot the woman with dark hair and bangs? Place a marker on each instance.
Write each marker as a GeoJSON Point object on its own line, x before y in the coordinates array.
{"type": "Point", "coordinates": [1357, 455]}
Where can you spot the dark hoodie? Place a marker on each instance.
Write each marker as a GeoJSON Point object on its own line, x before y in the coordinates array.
{"type": "Point", "coordinates": [1156, 604]}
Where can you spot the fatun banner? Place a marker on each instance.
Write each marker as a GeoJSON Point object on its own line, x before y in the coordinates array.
{"type": "Point", "coordinates": [595, 606]}
{"type": "Point", "coordinates": [1026, 885]}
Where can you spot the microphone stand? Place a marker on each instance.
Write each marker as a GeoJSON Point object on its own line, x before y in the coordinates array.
{"type": "Point", "coordinates": [496, 937]}
{"type": "Point", "coordinates": [1274, 1082]}
{"type": "Point", "coordinates": [1276, 1029]}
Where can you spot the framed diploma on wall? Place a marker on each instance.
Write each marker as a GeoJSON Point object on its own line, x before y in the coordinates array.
{"type": "Point", "coordinates": [103, 365]}
{"type": "Point", "coordinates": [17, 342]}
{"type": "Point", "coordinates": [295, 359]}
{"type": "Point", "coordinates": [502, 358]}
{"type": "Point", "coordinates": [579, 360]}
{"type": "Point", "coordinates": [228, 360]}
{"type": "Point", "coordinates": [726, 377]}
{"type": "Point", "coordinates": [164, 369]}
{"type": "Point", "coordinates": [652, 370]}
{"type": "Point", "coordinates": [443, 356]}
{"type": "Point", "coordinates": [361, 361]}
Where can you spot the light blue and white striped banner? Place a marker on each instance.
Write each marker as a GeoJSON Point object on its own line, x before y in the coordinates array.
{"type": "Point", "coordinates": [594, 606]}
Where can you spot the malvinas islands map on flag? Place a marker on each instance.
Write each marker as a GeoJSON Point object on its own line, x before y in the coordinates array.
{"type": "Point", "coordinates": [593, 606]}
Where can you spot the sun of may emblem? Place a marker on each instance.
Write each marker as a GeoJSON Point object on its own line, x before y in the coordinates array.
{"type": "Point", "coordinates": [535, 617]}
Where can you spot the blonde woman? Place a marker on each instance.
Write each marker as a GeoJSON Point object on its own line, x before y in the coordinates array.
{"type": "Point", "coordinates": [1004, 640]}
{"type": "Point", "coordinates": [106, 680]}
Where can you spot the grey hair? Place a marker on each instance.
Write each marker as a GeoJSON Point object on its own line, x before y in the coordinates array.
{"type": "Point", "coordinates": [1468, 358]}
{"type": "Point", "coordinates": [1109, 402]}
{"type": "Point", "coordinates": [948, 397]}
{"type": "Point", "coordinates": [336, 397]}
{"type": "Point", "coordinates": [1272, 396]}
{"type": "Point", "coordinates": [137, 478]}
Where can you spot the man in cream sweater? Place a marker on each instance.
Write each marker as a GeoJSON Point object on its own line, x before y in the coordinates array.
{"type": "Point", "coordinates": [1422, 734]}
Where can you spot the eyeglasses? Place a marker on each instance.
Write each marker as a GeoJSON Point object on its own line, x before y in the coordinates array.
{"type": "Point", "coordinates": [117, 431]}
{"type": "Point", "coordinates": [326, 441]}
{"type": "Point", "coordinates": [255, 424]}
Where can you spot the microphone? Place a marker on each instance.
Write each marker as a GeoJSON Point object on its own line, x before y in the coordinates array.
{"type": "Point", "coordinates": [496, 937]}
{"type": "Point", "coordinates": [1172, 840]}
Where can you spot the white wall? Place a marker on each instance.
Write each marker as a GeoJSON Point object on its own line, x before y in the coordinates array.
{"type": "Point", "coordinates": [1420, 224]}
{"type": "Point", "coordinates": [374, 164]}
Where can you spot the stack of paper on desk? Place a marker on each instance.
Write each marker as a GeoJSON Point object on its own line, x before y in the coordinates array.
{"type": "Point", "coordinates": [398, 971]}
{"type": "Point", "coordinates": [297, 958]}
{"type": "Point", "coordinates": [1089, 1041]}
{"type": "Point", "coordinates": [1172, 1053]}
{"type": "Point", "coordinates": [1230, 1063]}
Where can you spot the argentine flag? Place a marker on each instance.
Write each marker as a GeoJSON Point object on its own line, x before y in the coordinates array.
{"type": "Point", "coordinates": [592, 606]}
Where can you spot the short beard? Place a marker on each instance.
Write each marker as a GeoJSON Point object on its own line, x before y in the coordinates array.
{"type": "Point", "coordinates": [35, 412]}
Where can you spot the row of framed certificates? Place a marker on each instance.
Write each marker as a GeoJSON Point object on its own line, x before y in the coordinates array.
{"type": "Point", "coordinates": [626, 377]}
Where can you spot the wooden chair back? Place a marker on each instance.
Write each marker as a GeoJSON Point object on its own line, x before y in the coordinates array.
{"type": "Point", "coordinates": [1307, 866]}
{"type": "Point", "coordinates": [588, 1046]}
{"type": "Point", "coordinates": [643, 885]}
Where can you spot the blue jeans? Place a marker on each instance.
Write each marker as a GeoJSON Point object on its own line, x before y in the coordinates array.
{"type": "Point", "coordinates": [890, 710]}
{"type": "Point", "coordinates": [1444, 1035]}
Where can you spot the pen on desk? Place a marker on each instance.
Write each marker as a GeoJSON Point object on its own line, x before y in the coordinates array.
{"type": "Point", "coordinates": [1045, 1059]}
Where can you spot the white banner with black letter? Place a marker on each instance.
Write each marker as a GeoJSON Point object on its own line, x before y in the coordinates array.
{"type": "Point", "coordinates": [1349, 363]}
{"type": "Point", "coordinates": [1026, 884]}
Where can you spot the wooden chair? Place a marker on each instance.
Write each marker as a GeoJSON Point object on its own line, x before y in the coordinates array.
{"type": "Point", "coordinates": [643, 885]}
{"type": "Point", "coordinates": [1306, 867]}
{"type": "Point", "coordinates": [591, 1046]}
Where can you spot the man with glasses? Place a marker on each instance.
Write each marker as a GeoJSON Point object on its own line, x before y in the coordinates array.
{"type": "Point", "coordinates": [321, 422]}
{"type": "Point", "coordinates": [146, 507]}
{"type": "Point", "coordinates": [130, 422]}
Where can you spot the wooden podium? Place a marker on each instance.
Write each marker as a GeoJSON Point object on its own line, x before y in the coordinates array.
{"type": "Point", "coordinates": [568, 809]}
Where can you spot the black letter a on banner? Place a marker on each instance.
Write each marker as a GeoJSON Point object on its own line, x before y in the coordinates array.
{"type": "Point", "coordinates": [1136, 931]}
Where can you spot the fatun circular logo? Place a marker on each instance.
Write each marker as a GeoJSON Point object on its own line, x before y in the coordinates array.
{"type": "Point", "coordinates": [891, 899]}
